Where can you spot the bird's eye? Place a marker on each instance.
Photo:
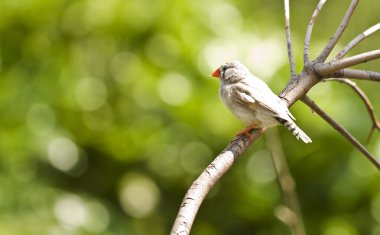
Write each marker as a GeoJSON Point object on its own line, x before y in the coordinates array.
{"type": "Point", "coordinates": [222, 71]}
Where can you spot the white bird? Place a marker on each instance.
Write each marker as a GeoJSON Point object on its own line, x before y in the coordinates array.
{"type": "Point", "coordinates": [252, 101]}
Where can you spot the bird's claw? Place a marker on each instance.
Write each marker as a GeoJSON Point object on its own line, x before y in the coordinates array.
{"type": "Point", "coordinates": [245, 131]}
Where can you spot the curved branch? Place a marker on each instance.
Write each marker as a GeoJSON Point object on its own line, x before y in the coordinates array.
{"type": "Point", "coordinates": [343, 25]}
{"type": "Point", "coordinates": [327, 68]}
{"type": "Point", "coordinates": [306, 44]}
{"type": "Point", "coordinates": [202, 185]}
{"type": "Point", "coordinates": [367, 102]}
{"type": "Point", "coordinates": [341, 130]}
{"type": "Point", "coordinates": [288, 39]}
{"type": "Point", "coordinates": [296, 88]}
{"type": "Point", "coordinates": [225, 160]}
{"type": "Point", "coordinates": [356, 40]}
{"type": "Point", "coordinates": [355, 74]}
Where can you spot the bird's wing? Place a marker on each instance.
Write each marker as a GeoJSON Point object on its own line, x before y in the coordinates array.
{"type": "Point", "coordinates": [263, 96]}
{"type": "Point", "coordinates": [242, 94]}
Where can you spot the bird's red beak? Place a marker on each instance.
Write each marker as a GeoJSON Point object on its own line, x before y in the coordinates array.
{"type": "Point", "coordinates": [216, 73]}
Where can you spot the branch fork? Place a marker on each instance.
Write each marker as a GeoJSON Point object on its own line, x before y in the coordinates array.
{"type": "Point", "coordinates": [296, 89]}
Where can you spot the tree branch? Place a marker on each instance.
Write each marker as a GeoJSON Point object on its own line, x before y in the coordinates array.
{"type": "Point", "coordinates": [355, 74]}
{"type": "Point", "coordinates": [341, 130]}
{"type": "Point", "coordinates": [306, 45]}
{"type": "Point", "coordinates": [343, 25]}
{"type": "Point", "coordinates": [327, 68]}
{"type": "Point", "coordinates": [202, 185]}
{"type": "Point", "coordinates": [288, 39]}
{"type": "Point", "coordinates": [291, 213]}
{"type": "Point", "coordinates": [356, 40]}
{"type": "Point", "coordinates": [297, 87]}
{"type": "Point", "coordinates": [367, 102]}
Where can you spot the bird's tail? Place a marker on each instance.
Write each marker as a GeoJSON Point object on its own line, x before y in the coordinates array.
{"type": "Point", "coordinates": [297, 132]}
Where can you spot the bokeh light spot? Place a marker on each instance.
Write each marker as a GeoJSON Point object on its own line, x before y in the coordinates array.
{"type": "Point", "coordinates": [225, 19]}
{"type": "Point", "coordinates": [63, 153]}
{"type": "Point", "coordinates": [174, 89]}
{"type": "Point", "coordinates": [70, 210]}
{"type": "Point", "coordinates": [99, 13]}
{"type": "Point", "coordinates": [194, 156]}
{"type": "Point", "coordinates": [163, 50]}
{"type": "Point", "coordinates": [339, 226]}
{"type": "Point", "coordinates": [75, 212]}
{"type": "Point", "coordinates": [216, 53]}
{"type": "Point", "coordinates": [97, 219]}
{"type": "Point", "coordinates": [40, 119]}
{"type": "Point", "coordinates": [138, 195]}
{"type": "Point", "coordinates": [91, 94]}
{"type": "Point", "coordinates": [143, 96]}
{"type": "Point", "coordinates": [375, 207]}
{"type": "Point", "coordinates": [260, 168]}
{"type": "Point", "coordinates": [126, 67]}
{"type": "Point", "coordinates": [263, 56]}
{"type": "Point", "coordinates": [135, 13]}
{"type": "Point", "coordinates": [266, 56]}
{"type": "Point", "coordinates": [336, 230]}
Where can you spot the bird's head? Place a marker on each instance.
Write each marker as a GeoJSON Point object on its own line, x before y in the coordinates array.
{"type": "Point", "coordinates": [230, 72]}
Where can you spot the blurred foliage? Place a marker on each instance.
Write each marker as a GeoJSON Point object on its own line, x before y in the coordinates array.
{"type": "Point", "coordinates": [108, 115]}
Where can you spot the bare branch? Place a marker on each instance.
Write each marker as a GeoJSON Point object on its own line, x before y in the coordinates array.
{"type": "Point", "coordinates": [356, 40]}
{"type": "Point", "coordinates": [202, 185]}
{"type": "Point", "coordinates": [296, 88]}
{"type": "Point", "coordinates": [291, 214]}
{"type": "Point", "coordinates": [355, 74]}
{"type": "Point", "coordinates": [327, 68]}
{"type": "Point", "coordinates": [341, 130]}
{"type": "Point", "coordinates": [374, 127]}
{"type": "Point", "coordinates": [306, 45]}
{"type": "Point", "coordinates": [343, 25]}
{"type": "Point", "coordinates": [288, 39]}
{"type": "Point", "coordinates": [367, 102]}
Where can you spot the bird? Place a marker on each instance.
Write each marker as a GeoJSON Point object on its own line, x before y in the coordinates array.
{"type": "Point", "coordinates": [251, 100]}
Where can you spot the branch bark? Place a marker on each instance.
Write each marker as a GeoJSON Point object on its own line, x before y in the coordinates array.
{"type": "Point", "coordinates": [356, 41]}
{"type": "Point", "coordinates": [366, 101]}
{"type": "Point", "coordinates": [355, 74]}
{"type": "Point", "coordinates": [203, 184]}
{"type": "Point", "coordinates": [288, 39]}
{"type": "Point", "coordinates": [341, 130]}
{"type": "Point", "coordinates": [324, 69]}
{"type": "Point", "coordinates": [343, 25]}
{"type": "Point", "coordinates": [309, 30]}
{"type": "Point", "coordinates": [296, 88]}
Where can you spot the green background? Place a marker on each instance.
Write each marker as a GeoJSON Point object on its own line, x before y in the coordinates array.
{"type": "Point", "coordinates": [108, 114]}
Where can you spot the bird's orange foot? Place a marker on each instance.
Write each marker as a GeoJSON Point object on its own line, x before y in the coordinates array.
{"type": "Point", "coordinates": [246, 130]}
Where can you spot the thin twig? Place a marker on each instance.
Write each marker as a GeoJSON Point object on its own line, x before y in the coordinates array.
{"type": "Point", "coordinates": [343, 25]}
{"type": "Point", "coordinates": [289, 40]}
{"type": "Point", "coordinates": [356, 40]}
{"type": "Point", "coordinates": [327, 68]}
{"type": "Point", "coordinates": [202, 185]}
{"type": "Point", "coordinates": [306, 45]}
{"type": "Point", "coordinates": [367, 102]}
{"type": "Point", "coordinates": [291, 214]}
{"type": "Point", "coordinates": [355, 74]}
{"type": "Point", "coordinates": [341, 130]}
